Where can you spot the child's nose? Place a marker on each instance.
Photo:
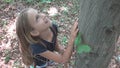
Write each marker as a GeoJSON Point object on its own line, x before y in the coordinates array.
{"type": "Point", "coordinates": [42, 14]}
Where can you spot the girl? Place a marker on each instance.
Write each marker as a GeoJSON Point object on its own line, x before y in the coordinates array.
{"type": "Point", "coordinates": [38, 39]}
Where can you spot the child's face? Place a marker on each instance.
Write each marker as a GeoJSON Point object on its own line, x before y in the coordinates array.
{"type": "Point", "coordinates": [39, 22]}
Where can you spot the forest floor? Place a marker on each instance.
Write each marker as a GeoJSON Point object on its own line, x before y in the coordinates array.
{"type": "Point", "coordinates": [61, 12]}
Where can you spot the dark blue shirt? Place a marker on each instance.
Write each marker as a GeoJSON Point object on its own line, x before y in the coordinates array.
{"type": "Point", "coordinates": [40, 48]}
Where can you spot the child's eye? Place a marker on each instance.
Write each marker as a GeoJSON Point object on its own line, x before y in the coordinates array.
{"type": "Point", "coordinates": [37, 17]}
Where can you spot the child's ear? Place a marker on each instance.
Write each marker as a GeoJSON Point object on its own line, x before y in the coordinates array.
{"type": "Point", "coordinates": [34, 33]}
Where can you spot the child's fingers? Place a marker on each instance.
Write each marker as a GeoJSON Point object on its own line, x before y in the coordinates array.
{"type": "Point", "coordinates": [76, 19]}
{"type": "Point", "coordinates": [76, 25]}
{"type": "Point", "coordinates": [77, 30]}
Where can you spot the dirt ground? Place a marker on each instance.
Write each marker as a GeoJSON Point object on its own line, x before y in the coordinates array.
{"type": "Point", "coordinates": [61, 12]}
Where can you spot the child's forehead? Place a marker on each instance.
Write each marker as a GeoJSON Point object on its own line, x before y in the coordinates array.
{"type": "Point", "coordinates": [32, 14]}
{"type": "Point", "coordinates": [32, 10]}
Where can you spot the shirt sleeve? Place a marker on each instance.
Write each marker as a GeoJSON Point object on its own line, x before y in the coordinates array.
{"type": "Point", "coordinates": [37, 49]}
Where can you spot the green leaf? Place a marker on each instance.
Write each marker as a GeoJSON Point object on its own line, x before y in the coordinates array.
{"type": "Point", "coordinates": [54, 22]}
{"type": "Point", "coordinates": [7, 58]}
{"type": "Point", "coordinates": [45, 1]}
{"type": "Point", "coordinates": [8, 1]}
{"type": "Point", "coordinates": [65, 12]}
{"type": "Point", "coordinates": [64, 40]}
{"type": "Point", "coordinates": [31, 66]}
{"type": "Point", "coordinates": [72, 62]}
{"type": "Point", "coordinates": [83, 48]}
{"type": "Point", "coordinates": [62, 20]}
{"type": "Point", "coordinates": [78, 40]}
{"type": "Point", "coordinates": [29, 1]}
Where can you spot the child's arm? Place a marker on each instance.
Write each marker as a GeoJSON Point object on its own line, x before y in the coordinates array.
{"type": "Point", "coordinates": [59, 48]}
{"type": "Point", "coordinates": [63, 58]}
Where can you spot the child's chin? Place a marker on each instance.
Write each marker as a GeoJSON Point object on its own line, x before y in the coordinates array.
{"type": "Point", "coordinates": [49, 22]}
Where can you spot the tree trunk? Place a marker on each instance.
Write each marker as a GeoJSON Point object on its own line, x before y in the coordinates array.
{"type": "Point", "coordinates": [99, 24]}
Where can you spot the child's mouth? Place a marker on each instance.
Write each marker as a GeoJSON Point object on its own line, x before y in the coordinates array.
{"type": "Point", "coordinates": [46, 21]}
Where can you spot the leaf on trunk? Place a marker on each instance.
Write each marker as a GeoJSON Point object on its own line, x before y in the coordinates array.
{"type": "Point", "coordinates": [78, 40]}
{"type": "Point", "coordinates": [83, 48]}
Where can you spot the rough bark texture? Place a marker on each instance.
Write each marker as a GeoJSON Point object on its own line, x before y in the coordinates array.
{"type": "Point", "coordinates": [99, 24]}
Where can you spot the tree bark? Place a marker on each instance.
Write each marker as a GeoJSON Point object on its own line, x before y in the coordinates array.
{"type": "Point", "coordinates": [99, 24]}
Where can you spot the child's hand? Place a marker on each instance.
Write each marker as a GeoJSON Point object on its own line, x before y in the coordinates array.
{"type": "Point", "coordinates": [74, 30]}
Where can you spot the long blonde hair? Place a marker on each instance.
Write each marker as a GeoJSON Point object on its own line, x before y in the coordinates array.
{"type": "Point", "coordinates": [23, 29]}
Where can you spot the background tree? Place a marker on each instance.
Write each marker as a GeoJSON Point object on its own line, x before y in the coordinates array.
{"type": "Point", "coordinates": [99, 24]}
